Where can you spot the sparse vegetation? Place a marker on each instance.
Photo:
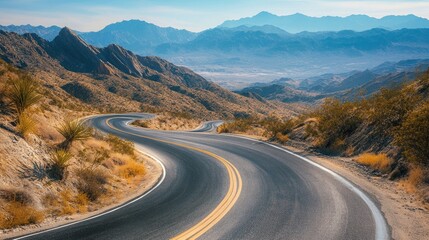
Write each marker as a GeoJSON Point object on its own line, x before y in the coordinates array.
{"type": "Point", "coordinates": [121, 146]}
{"type": "Point", "coordinates": [26, 125]}
{"type": "Point", "coordinates": [23, 93]}
{"type": "Point", "coordinates": [380, 162]}
{"type": "Point", "coordinates": [18, 214]}
{"type": "Point", "coordinates": [413, 136]}
{"type": "Point", "coordinates": [59, 164]}
{"type": "Point", "coordinates": [91, 182]}
{"type": "Point", "coordinates": [73, 131]}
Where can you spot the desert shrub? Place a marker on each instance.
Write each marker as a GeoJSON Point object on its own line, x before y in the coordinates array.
{"type": "Point", "coordinates": [26, 125]}
{"type": "Point", "coordinates": [18, 214]}
{"type": "Point", "coordinates": [131, 169]}
{"type": "Point", "coordinates": [336, 121]}
{"type": "Point", "coordinates": [121, 146]}
{"type": "Point", "coordinates": [275, 126]}
{"type": "Point", "coordinates": [59, 163]}
{"type": "Point", "coordinates": [94, 157]}
{"type": "Point", "coordinates": [91, 182]}
{"type": "Point", "coordinates": [16, 195]}
{"type": "Point", "coordinates": [413, 136]}
{"type": "Point", "coordinates": [282, 138]}
{"type": "Point", "coordinates": [238, 125]}
{"type": "Point", "coordinates": [73, 131]}
{"type": "Point", "coordinates": [380, 162]}
{"type": "Point", "coordinates": [386, 109]}
{"type": "Point", "coordinates": [23, 93]}
{"type": "Point", "coordinates": [81, 201]}
{"type": "Point", "coordinates": [140, 123]}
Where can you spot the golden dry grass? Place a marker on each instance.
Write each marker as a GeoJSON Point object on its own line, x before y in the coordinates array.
{"type": "Point", "coordinates": [282, 138]}
{"type": "Point", "coordinates": [26, 125]}
{"type": "Point", "coordinates": [131, 169]}
{"type": "Point", "coordinates": [17, 214]}
{"type": "Point", "coordinates": [380, 162]}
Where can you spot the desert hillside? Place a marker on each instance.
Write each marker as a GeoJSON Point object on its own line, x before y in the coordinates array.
{"type": "Point", "coordinates": [109, 77]}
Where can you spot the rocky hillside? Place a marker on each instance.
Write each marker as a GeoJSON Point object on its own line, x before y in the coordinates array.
{"type": "Point", "coordinates": [111, 76]}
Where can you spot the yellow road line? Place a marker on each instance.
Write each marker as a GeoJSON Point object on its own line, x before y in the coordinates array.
{"type": "Point", "coordinates": [231, 197]}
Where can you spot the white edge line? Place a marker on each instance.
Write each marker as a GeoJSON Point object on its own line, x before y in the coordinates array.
{"type": "Point", "coordinates": [111, 210]}
{"type": "Point", "coordinates": [381, 232]}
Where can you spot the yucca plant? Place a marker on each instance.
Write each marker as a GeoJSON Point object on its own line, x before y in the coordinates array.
{"type": "Point", "coordinates": [73, 131]}
{"type": "Point", "coordinates": [59, 164]}
{"type": "Point", "coordinates": [23, 94]}
{"type": "Point", "coordinates": [26, 125]}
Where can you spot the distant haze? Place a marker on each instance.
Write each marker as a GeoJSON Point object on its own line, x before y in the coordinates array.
{"type": "Point", "coordinates": [193, 15]}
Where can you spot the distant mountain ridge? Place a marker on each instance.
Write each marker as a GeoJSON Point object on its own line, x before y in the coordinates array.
{"type": "Point", "coordinates": [48, 33]}
{"type": "Point", "coordinates": [344, 85]}
{"type": "Point", "coordinates": [299, 22]}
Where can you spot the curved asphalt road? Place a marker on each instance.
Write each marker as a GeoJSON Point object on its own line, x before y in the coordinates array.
{"type": "Point", "coordinates": [282, 195]}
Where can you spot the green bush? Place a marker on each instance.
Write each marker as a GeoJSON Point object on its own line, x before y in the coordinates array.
{"type": "Point", "coordinates": [337, 121]}
{"type": "Point", "coordinates": [413, 135]}
{"type": "Point", "coordinates": [386, 109]}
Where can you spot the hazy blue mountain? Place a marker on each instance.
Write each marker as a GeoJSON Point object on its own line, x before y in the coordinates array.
{"type": "Point", "coordinates": [136, 35]}
{"type": "Point", "coordinates": [264, 29]}
{"type": "Point", "coordinates": [48, 33]}
{"type": "Point", "coordinates": [343, 42]}
{"type": "Point", "coordinates": [298, 22]}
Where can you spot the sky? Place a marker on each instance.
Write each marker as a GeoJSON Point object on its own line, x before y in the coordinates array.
{"type": "Point", "coordinates": [193, 15]}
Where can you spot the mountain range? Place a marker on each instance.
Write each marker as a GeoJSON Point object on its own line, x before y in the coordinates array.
{"type": "Point", "coordinates": [111, 76]}
{"type": "Point", "coordinates": [344, 85]}
{"type": "Point", "coordinates": [236, 53]}
{"type": "Point", "coordinates": [299, 23]}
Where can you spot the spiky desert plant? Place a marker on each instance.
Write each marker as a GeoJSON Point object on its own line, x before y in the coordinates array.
{"type": "Point", "coordinates": [26, 125]}
{"type": "Point", "coordinates": [73, 131]}
{"type": "Point", "coordinates": [59, 164]}
{"type": "Point", "coordinates": [23, 93]}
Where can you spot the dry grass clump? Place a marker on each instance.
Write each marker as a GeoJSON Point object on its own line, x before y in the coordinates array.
{"type": "Point", "coordinates": [18, 214]}
{"type": "Point", "coordinates": [282, 138]}
{"type": "Point", "coordinates": [91, 182]}
{"type": "Point", "coordinates": [121, 146]}
{"type": "Point", "coordinates": [17, 209]}
{"type": "Point", "coordinates": [380, 162]}
{"type": "Point", "coordinates": [131, 169]}
{"type": "Point", "coordinates": [26, 125]}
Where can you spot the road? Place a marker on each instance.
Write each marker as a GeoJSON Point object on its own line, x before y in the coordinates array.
{"type": "Point", "coordinates": [226, 187]}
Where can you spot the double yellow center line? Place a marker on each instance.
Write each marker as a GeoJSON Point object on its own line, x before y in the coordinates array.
{"type": "Point", "coordinates": [231, 197]}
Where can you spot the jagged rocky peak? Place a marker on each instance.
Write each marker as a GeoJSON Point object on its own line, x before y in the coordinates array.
{"type": "Point", "coordinates": [76, 55]}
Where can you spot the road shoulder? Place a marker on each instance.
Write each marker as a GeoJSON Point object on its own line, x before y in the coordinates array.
{"type": "Point", "coordinates": [403, 212]}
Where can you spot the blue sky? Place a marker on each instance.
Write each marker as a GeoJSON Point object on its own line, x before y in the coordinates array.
{"type": "Point", "coordinates": [194, 15]}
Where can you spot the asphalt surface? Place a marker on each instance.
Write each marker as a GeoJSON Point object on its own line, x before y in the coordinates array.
{"type": "Point", "coordinates": [282, 195]}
